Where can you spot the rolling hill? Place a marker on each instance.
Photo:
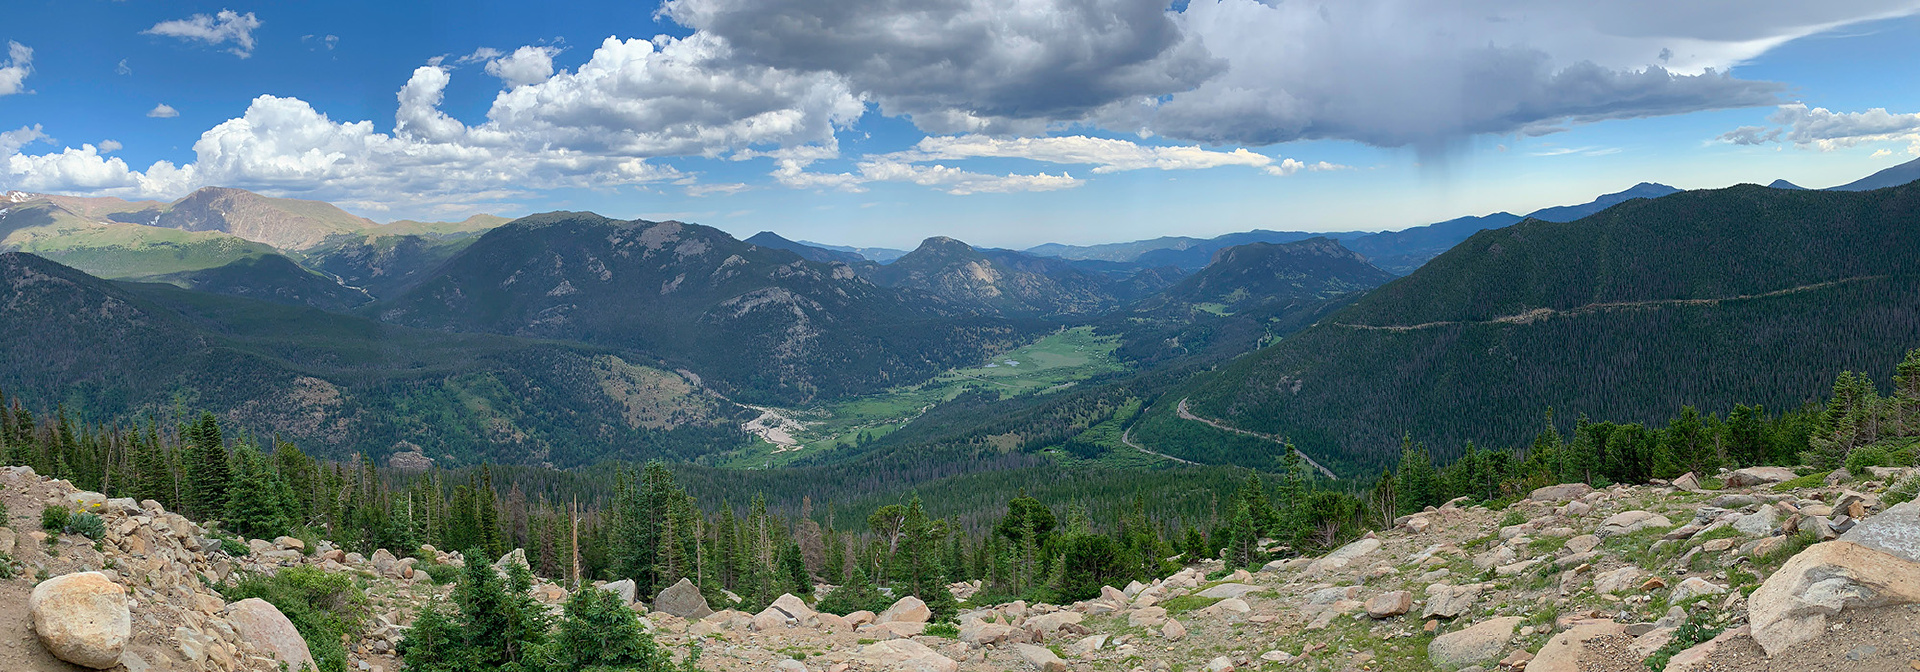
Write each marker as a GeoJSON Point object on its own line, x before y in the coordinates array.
{"type": "Point", "coordinates": [1704, 298]}
{"type": "Point", "coordinates": [761, 324]}
{"type": "Point", "coordinates": [337, 384]}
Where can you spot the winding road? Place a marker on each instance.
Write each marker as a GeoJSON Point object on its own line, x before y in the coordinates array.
{"type": "Point", "coordinates": [1126, 437]}
{"type": "Point", "coordinates": [1216, 424]}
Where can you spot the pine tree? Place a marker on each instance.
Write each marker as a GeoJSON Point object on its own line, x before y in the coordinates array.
{"type": "Point", "coordinates": [208, 477]}
{"type": "Point", "coordinates": [254, 507]}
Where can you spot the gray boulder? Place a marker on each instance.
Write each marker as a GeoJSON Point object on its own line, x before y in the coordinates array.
{"type": "Point", "coordinates": [1875, 564]}
{"type": "Point", "coordinates": [624, 588]}
{"type": "Point", "coordinates": [682, 599]}
{"type": "Point", "coordinates": [1481, 643]}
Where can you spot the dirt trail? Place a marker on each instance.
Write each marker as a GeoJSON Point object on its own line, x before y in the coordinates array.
{"type": "Point", "coordinates": [1216, 424]}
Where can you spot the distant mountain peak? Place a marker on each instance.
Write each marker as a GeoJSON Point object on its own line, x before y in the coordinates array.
{"type": "Point", "coordinates": [1568, 213]}
{"type": "Point", "coordinates": [1783, 184]}
{"type": "Point", "coordinates": [1890, 177]}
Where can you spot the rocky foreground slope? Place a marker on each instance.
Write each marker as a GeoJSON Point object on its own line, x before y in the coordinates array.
{"type": "Point", "coordinates": [1570, 579]}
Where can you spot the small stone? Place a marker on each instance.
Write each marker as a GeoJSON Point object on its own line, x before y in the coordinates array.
{"type": "Point", "coordinates": [1654, 583]}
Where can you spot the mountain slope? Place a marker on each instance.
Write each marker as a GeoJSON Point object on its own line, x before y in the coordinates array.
{"type": "Point", "coordinates": [1904, 173]}
{"type": "Point", "coordinates": [71, 231]}
{"type": "Point", "coordinates": [385, 265]}
{"type": "Point", "coordinates": [1405, 250]}
{"type": "Point", "coordinates": [1248, 276]}
{"type": "Point", "coordinates": [285, 223]}
{"type": "Point", "coordinates": [271, 278]}
{"type": "Point", "coordinates": [337, 384]}
{"type": "Point", "coordinates": [1783, 184]}
{"type": "Point", "coordinates": [1568, 213]}
{"type": "Point", "coordinates": [1708, 298]}
{"type": "Point", "coordinates": [759, 323]}
{"type": "Point", "coordinates": [997, 282]}
{"type": "Point", "coordinates": [773, 240]}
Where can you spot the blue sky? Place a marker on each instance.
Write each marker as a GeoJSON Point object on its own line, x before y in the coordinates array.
{"type": "Point", "coordinates": [1000, 122]}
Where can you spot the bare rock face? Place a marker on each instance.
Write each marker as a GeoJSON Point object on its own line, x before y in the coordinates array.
{"type": "Point", "coordinates": [1478, 644]}
{"type": "Point", "coordinates": [1448, 601]}
{"type": "Point", "coordinates": [908, 610]}
{"type": "Point", "coordinates": [82, 618]}
{"type": "Point", "coordinates": [682, 599]}
{"type": "Point", "coordinates": [1875, 564]}
{"type": "Point", "coordinates": [259, 622]}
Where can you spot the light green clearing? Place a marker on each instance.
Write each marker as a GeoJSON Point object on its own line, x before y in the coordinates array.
{"type": "Point", "coordinates": [1054, 362]}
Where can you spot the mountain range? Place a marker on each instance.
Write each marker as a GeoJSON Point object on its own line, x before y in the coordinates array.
{"type": "Point", "coordinates": [564, 337]}
{"type": "Point", "coordinates": [1704, 298]}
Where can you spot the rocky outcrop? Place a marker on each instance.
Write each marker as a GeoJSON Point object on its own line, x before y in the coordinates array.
{"type": "Point", "coordinates": [1449, 601]}
{"type": "Point", "coordinates": [82, 618]}
{"type": "Point", "coordinates": [1877, 563]}
{"type": "Point", "coordinates": [1344, 555]}
{"type": "Point", "coordinates": [1629, 522]}
{"type": "Point", "coordinates": [1478, 644]}
{"type": "Point", "coordinates": [1041, 657]}
{"type": "Point", "coordinates": [270, 631]}
{"type": "Point", "coordinates": [1560, 493]}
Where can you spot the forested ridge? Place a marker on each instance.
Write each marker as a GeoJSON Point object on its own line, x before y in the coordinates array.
{"type": "Point", "coordinates": [1707, 299]}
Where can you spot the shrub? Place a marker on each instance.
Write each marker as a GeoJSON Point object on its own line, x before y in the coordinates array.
{"type": "Point", "coordinates": [947, 630]}
{"type": "Point", "coordinates": [441, 574]}
{"type": "Point", "coordinates": [1697, 629]}
{"type": "Point", "coordinates": [54, 518]}
{"type": "Point", "coordinates": [234, 547]}
{"type": "Point", "coordinates": [5, 520]}
{"type": "Point", "coordinates": [857, 595]}
{"type": "Point", "coordinates": [1867, 456]}
{"type": "Point", "coordinates": [322, 606]}
{"type": "Point", "coordinates": [87, 525]}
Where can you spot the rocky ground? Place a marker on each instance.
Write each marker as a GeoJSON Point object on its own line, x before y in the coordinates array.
{"type": "Point", "coordinates": [1570, 579]}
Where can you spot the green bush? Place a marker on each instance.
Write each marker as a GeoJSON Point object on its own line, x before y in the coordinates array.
{"type": "Point", "coordinates": [947, 630]}
{"type": "Point", "coordinates": [5, 520]}
{"type": "Point", "coordinates": [859, 594]}
{"type": "Point", "coordinates": [1696, 630]}
{"type": "Point", "coordinates": [321, 605]}
{"type": "Point", "coordinates": [87, 525]}
{"type": "Point", "coordinates": [1867, 456]}
{"type": "Point", "coordinates": [234, 547]}
{"type": "Point", "coordinates": [54, 518]}
{"type": "Point", "coordinates": [441, 574]}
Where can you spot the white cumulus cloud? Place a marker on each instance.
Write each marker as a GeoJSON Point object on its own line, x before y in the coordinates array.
{"type": "Point", "coordinates": [1826, 130]}
{"type": "Point", "coordinates": [633, 101]}
{"type": "Point", "coordinates": [214, 30]}
{"type": "Point", "coordinates": [163, 111]}
{"type": "Point", "coordinates": [1105, 154]}
{"type": "Point", "coordinates": [526, 65]}
{"type": "Point", "coordinates": [14, 71]}
{"type": "Point", "coordinates": [956, 181]}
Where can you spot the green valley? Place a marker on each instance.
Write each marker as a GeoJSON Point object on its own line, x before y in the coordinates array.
{"type": "Point", "coordinates": [1054, 362]}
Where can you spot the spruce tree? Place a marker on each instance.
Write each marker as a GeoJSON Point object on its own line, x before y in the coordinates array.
{"type": "Point", "coordinates": [208, 474]}
{"type": "Point", "coordinates": [255, 503]}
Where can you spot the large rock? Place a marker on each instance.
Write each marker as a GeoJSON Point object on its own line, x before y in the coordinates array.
{"type": "Point", "coordinates": [1759, 475]}
{"type": "Point", "coordinates": [1344, 555]}
{"type": "Point", "coordinates": [82, 618]}
{"type": "Point", "coordinates": [383, 561]}
{"type": "Point", "coordinates": [982, 633]}
{"type": "Point", "coordinates": [1478, 644]}
{"type": "Point", "coordinates": [625, 589]}
{"type": "Point", "coordinates": [682, 599]}
{"type": "Point", "coordinates": [1687, 482]}
{"type": "Point", "coordinates": [1695, 587]}
{"type": "Point", "coordinates": [1877, 563]}
{"type": "Point", "coordinates": [513, 557]}
{"type": "Point", "coordinates": [905, 655]}
{"type": "Point", "coordinates": [797, 608]}
{"type": "Point", "coordinates": [1695, 658]}
{"type": "Point", "coordinates": [1047, 623]}
{"type": "Point", "coordinates": [1562, 652]}
{"type": "Point", "coordinates": [1560, 493]}
{"type": "Point", "coordinates": [908, 609]}
{"type": "Point", "coordinates": [1041, 657]}
{"type": "Point", "coordinates": [1388, 605]}
{"type": "Point", "coordinates": [1449, 601]}
{"type": "Point", "coordinates": [260, 623]}
{"type": "Point", "coordinates": [1759, 523]}
{"type": "Point", "coordinates": [1629, 522]}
